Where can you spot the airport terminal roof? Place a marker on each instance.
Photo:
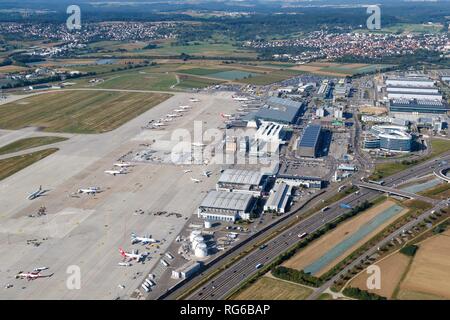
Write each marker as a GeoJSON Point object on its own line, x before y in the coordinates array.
{"type": "Point", "coordinates": [226, 200]}
{"type": "Point", "coordinates": [310, 136]}
{"type": "Point", "coordinates": [277, 110]}
{"type": "Point", "coordinates": [238, 176]}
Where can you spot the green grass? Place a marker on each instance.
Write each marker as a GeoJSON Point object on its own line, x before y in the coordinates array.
{"type": "Point", "coordinates": [325, 296]}
{"type": "Point", "coordinates": [271, 77]}
{"type": "Point", "coordinates": [77, 111]}
{"type": "Point", "coordinates": [29, 143]}
{"type": "Point", "coordinates": [190, 82]}
{"type": "Point", "coordinates": [273, 289]}
{"type": "Point", "coordinates": [9, 166]}
{"type": "Point", "coordinates": [439, 192]}
{"type": "Point", "coordinates": [202, 71]}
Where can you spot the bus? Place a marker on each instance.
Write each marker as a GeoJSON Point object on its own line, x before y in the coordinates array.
{"type": "Point", "coordinates": [380, 183]}
{"type": "Point", "coordinates": [259, 266]}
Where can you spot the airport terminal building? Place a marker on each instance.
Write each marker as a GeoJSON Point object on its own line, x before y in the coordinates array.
{"type": "Point", "coordinates": [251, 182]}
{"type": "Point", "coordinates": [277, 110]}
{"type": "Point", "coordinates": [226, 206]}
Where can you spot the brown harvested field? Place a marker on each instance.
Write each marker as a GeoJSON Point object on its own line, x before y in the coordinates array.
{"type": "Point", "coordinates": [269, 288]}
{"type": "Point", "coordinates": [11, 69]}
{"type": "Point", "coordinates": [373, 110]}
{"type": "Point", "coordinates": [429, 273]}
{"type": "Point", "coordinates": [77, 111]}
{"type": "Point", "coordinates": [321, 246]}
{"type": "Point", "coordinates": [392, 270]}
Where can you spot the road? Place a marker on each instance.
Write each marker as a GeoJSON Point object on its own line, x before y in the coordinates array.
{"type": "Point", "coordinates": [223, 284]}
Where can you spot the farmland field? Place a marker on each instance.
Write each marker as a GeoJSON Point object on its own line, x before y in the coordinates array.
{"type": "Point", "coordinates": [28, 143]}
{"type": "Point", "coordinates": [428, 275]}
{"type": "Point", "coordinates": [9, 166]}
{"type": "Point", "coordinates": [77, 111]}
{"type": "Point", "coordinates": [268, 288]}
{"type": "Point", "coordinates": [338, 69]}
{"type": "Point", "coordinates": [392, 270]}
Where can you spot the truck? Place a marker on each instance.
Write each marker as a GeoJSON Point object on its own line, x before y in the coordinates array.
{"type": "Point", "coordinates": [164, 263]}
{"type": "Point", "coordinates": [169, 255]}
{"type": "Point", "coordinates": [145, 287]}
{"type": "Point", "coordinates": [259, 266]}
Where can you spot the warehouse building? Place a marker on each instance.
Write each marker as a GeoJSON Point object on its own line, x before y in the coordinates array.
{"type": "Point", "coordinates": [410, 81]}
{"type": "Point", "coordinates": [310, 142]}
{"type": "Point", "coordinates": [278, 198]}
{"type": "Point", "coordinates": [243, 181]}
{"type": "Point", "coordinates": [417, 106]}
{"type": "Point", "coordinates": [414, 95]}
{"type": "Point", "coordinates": [226, 206]}
{"type": "Point", "coordinates": [187, 270]}
{"type": "Point", "coordinates": [278, 110]}
{"type": "Point", "coordinates": [433, 90]}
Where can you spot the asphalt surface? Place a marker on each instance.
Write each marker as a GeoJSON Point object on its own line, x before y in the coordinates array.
{"type": "Point", "coordinates": [222, 285]}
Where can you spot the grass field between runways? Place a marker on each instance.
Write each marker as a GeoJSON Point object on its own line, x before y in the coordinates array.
{"type": "Point", "coordinates": [77, 111]}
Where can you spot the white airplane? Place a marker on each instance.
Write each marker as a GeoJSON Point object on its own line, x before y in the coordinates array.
{"type": "Point", "coordinates": [132, 255]}
{"type": "Point", "coordinates": [116, 172]}
{"type": "Point", "coordinates": [194, 100]}
{"type": "Point", "coordinates": [179, 110]}
{"type": "Point", "coordinates": [167, 119]}
{"type": "Point", "coordinates": [187, 171]}
{"type": "Point", "coordinates": [159, 124]}
{"type": "Point", "coordinates": [123, 164]}
{"type": "Point", "coordinates": [207, 173]}
{"type": "Point", "coordinates": [91, 190]}
{"type": "Point", "coordinates": [173, 115]}
{"type": "Point", "coordinates": [185, 107]}
{"type": "Point", "coordinates": [39, 192]}
{"type": "Point", "coordinates": [124, 264]}
{"type": "Point", "coordinates": [224, 115]}
{"type": "Point", "coordinates": [143, 240]}
{"type": "Point", "coordinates": [198, 144]}
{"type": "Point", "coordinates": [240, 98]}
{"type": "Point", "coordinates": [196, 180]}
{"type": "Point", "coordinates": [31, 275]}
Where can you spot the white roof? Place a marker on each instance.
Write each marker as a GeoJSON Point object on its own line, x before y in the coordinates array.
{"type": "Point", "coordinates": [226, 200]}
{"type": "Point", "coordinates": [237, 176]}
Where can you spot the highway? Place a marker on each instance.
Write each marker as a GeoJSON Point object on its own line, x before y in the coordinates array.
{"type": "Point", "coordinates": [223, 284]}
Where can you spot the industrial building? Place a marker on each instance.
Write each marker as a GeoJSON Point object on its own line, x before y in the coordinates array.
{"type": "Point", "coordinates": [278, 110]}
{"type": "Point", "coordinates": [226, 206]}
{"type": "Point", "coordinates": [410, 81]}
{"type": "Point", "coordinates": [243, 181]}
{"type": "Point", "coordinates": [414, 95]}
{"type": "Point", "coordinates": [309, 143]}
{"type": "Point", "coordinates": [297, 181]}
{"type": "Point", "coordinates": [413, 106]}
{"type": "Point", "coordinates": [187, 270]}
{"type": "Point", "coordinates": [388, 138]}
{"type": "Point", "coordinates": [278, 198]}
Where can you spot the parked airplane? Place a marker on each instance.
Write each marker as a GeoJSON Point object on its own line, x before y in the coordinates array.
{"type": "Point", "coordinates": [179, 110]}
{"type": "Point", "coordinates": [116, 172]}
{"type": "Point", "coordinates": [173, 115]}
{"type": "Point", "coordinates": [159, 124]}
{"type": "Point", "coordinates": [91, 190]}
{"type": "Point", "coordinates": [39, 192]}
{"type": "Point", "coordinates": [187, 171]}
{"type": "Point", "coordinates": [132, 255]}
{"type": "Point", "coordinates": [143, 240]}
{"type": "Point", "coordinates": [31, 275]}
{"type": "Point", "coordinates": [185, 107]}
{"type": "Point", "coordinates": [196, 180]}
{"type": "Point", "coordinates": [194, 100]}
{"type": "Point", "coordinates": [123, 164]}
{"type": "Point", "coordinates": [207, 173]}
